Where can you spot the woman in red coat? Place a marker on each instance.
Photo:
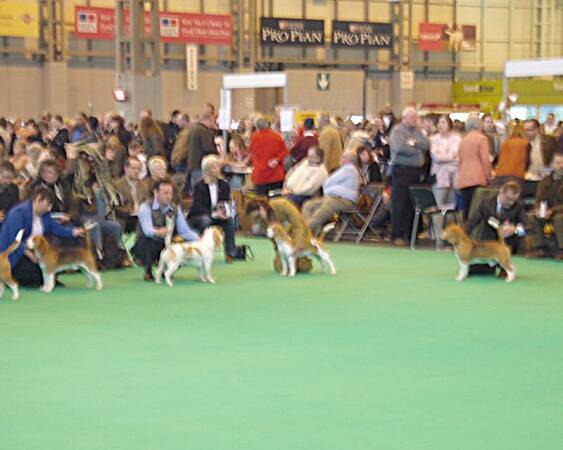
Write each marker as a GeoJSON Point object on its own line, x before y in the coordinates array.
{"type": "Point", "coordinates": [267, 153]}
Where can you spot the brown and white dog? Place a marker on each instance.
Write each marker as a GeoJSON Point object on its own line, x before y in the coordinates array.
{"type": "Point", "coordinates": [6, 277]}
{"type": "Point", "coordinates": [198, 254]}
{"type": "Point", "coordinates": [289, 254]}
{"type": "Point", "coordinates": [53, 259]}
{"type": "Point", "coordinates": [467, 250]}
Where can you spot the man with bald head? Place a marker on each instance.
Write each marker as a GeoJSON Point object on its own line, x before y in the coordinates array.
{"type": "Point", "coordinates": [409, 147]}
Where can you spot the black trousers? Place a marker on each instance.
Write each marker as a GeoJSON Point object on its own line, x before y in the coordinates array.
{"type": "Point", "coordinates": [466, 198]}
{"type": "Point", "coordinates": [402, 210]}
{"type": "Point", "coordinates": [148, 251]}
{"type": "Point", "coordinates": [263, 189]}
{"type": "Point", "coordinates": [27, 273]}
{"type": "Point", "coordinates": [201, 222]}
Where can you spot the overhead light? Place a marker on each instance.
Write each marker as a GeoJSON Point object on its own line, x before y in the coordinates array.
{"type": "Point", "coordinates": [120, 95]}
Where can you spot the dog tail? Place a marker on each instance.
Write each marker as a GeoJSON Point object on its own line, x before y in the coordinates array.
{"type": "Point", "coordinates": [14, 245]}
{"type": "Point", "coordinates": [326, 229]}
{"type": "Point", "coordinates": [169, 232]}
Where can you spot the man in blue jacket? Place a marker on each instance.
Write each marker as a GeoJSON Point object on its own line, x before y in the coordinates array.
{"type": "Point", "coordinates": [34, 218]}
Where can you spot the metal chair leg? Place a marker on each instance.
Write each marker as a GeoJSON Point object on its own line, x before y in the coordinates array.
{"type": "Point", "coordinates": [340, 233]}
{"type": "Point", "coordinates": [366, 225]}
{"type": "Point", "coordinates": [414, 228]}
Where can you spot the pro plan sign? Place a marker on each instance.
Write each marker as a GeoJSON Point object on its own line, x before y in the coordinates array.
{"type": "Point", "coordinates": [275, 31]}
{"type": "Point", "coordinates": [323, 81]}
{"type": "Point", "coordinates": [362, 34]}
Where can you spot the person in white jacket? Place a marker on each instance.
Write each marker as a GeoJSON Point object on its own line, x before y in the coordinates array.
{"type": "Point", "coordinates": [305, 179]}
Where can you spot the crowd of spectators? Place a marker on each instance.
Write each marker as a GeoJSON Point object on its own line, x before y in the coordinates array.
{"type": "Point", "coordinates": [135, 177]}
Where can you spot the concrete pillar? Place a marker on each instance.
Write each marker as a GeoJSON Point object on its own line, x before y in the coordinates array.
{"type": "Point", "coordinates": [400, 98]}
{"type": "Point", "coordinates": [142, 92]}
{"type": "Point", "coordinates": [55, 88]}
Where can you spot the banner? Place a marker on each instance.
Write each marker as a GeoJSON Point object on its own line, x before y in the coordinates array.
{"type": "Point", "coordinates": [181, 28]}
{"type": "Point", "coordinates": [192, 65]}
{"type": "Point", "coordinates": [19, 18]}
{"type": "Point", "coordinates": [362, 34]}
{"type": "Point", "coordinates": [275, 31]}
{"type": "Point", "coordinates": [437, 37]}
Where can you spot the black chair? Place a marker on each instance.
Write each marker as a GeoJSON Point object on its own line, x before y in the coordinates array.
{"type": "Point", "coordinates": [529, 194]}
{"type": "Point", "coordinates": [424, 202]}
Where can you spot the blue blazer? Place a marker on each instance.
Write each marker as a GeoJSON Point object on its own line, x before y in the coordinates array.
{"type": "Point", "coordinates": [21, 216]}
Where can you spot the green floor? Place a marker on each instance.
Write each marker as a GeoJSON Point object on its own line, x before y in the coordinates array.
{"type": "Point", "coordinates": [392, 353]}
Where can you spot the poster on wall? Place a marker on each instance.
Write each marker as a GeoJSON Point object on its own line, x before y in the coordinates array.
{"type": "Point", "coordinates": [181, 28]}
{"type": "Point", "coordinates": [275, 31]}
{"type": "Point", "coordinates": [361, 34]}
{"type": "Point", "coordinates": [438, 37]}
{"type": "Point", "coordinates": [19, 18]}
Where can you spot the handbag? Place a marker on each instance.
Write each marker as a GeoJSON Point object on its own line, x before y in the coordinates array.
{"type": "Point", "coordinates": [244, 252]}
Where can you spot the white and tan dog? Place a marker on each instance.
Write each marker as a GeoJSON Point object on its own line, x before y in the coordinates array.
{"type": "Point", "coordinates": [53, 260]}
{"type": "Point", "coordinates": [198, 254]}
{"type": "Point", "coordinates": [6, 277]}
{"type": "Point", "coordinates": [468, 250]}
{"type": "Point", "coordinates": [289, 254]}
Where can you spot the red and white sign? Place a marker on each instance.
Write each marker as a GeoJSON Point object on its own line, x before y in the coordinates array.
{"type": "Point", "coordinates": [437, 37]}
{"type": "Point", "coordinates": [432, 37]}
{"type": "Point", "coordinates": [182, 28]}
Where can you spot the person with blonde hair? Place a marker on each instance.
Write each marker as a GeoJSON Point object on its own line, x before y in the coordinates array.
{"type": "Point", "coordinates": [212, 204]}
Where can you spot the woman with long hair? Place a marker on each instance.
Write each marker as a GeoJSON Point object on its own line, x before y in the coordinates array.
{"type": "Point", "coordinates": [151, 137]}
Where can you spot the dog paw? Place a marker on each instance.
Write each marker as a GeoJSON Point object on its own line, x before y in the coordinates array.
{"type": "Point", "coordinates": [211, 280]}
{"type": "Point", "coordinates": [45, 289]}
{"type": "Point", "coordinates": [15, 297]}
{"type": "Point", "coordinates": [99, 287]}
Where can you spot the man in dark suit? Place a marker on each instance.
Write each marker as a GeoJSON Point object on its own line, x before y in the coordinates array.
{"type": "Point", "coordinates": [200, 143]}
{"type": "Point", "coordinates": [504, 209]}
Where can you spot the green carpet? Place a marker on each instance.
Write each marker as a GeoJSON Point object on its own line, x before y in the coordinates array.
{"type": "Point", "coordinates": [392, 353]}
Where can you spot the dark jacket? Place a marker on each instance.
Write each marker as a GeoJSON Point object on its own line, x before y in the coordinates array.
{"type": "Point", "coordinates": [549, 147]}
{"type": "Point", "coordinates": [9, 196]}
{"type": "Point", "coordinates": [153, 145]}
{"type": "Point", "coordinates": [171, 132]}
{"type": "Point", "coordinates": [124, 137]}
{"type": "Point", "coordinates": [202, 199]}
{"type": "Point", "coordinates": [61, 191]}
{"type": "Point", "coordinates": [488, 208]}
{"type": "Point", "coordinates": [21, 217]}
{"type": "Point", "coordinates": [550, 191]}
{"type": "Point", "coordinates": [372, 175]}
{"type": "Point", "coordinates": [200, 143]}
{"type": "Point", "coordinates": [302, 146]}
{"type": "Point", "coordinates": [58, 143]}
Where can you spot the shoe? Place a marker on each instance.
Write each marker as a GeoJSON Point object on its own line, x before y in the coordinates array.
{"type": "Point", "coordinates": [229, 259]}
{"type": "Point", "coordinates": [559, 255]}
{"type": "Point", "coordinates": [398, 242]}
{"type": "Point", "coordinates": [148, 277]}
{"type": "Point", "coordinates": [540, 253]}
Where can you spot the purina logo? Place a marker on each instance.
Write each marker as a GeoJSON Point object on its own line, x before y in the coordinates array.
{"type": "Point", "coordinates": [170, 27]}
{"type": "Point", "coordinates": [87, 23]}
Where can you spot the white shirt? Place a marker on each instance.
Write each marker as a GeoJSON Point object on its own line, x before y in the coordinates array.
{"type": "Point", "coordinates": [37, 227]}
{"type": "Point", "coordinates": [214, 194]}
{"type": "Point", "coordinates": [536, 169]}
{"type": "Point", "coordinates": [305, 179]}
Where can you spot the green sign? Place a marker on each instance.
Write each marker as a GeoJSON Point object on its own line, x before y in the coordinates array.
{"type": "Point", "coordinates": [488, 94]}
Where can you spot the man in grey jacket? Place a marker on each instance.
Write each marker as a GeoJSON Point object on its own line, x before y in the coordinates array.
{"type": "Point", "coordinates": [201, 142]}
{"type": "Point", "coordinates": [408, 151]}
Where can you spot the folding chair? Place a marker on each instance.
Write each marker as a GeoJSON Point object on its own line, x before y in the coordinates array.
{"type": "Point", "coordinates": [424, 203]}
{"type": "Point", "coordinates": [375, 192]}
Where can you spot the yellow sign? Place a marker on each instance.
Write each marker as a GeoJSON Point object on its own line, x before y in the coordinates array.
{"type": "Point", "coordinates": [19, 18]}
{"type": "Point", "coordinates": [300, 116]}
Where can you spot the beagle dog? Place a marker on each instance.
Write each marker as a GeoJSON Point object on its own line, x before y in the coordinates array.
{"type": "Point", "coordinates": [289, 254]}
{"type": "Point", "coordinates": [198, 254]}
{"type": "Point", "coordinates": [53, 259]}
{"type": "Point", "coordinates": [6, 277]}
{"type": "Point", "coordinates": [467, 250]}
